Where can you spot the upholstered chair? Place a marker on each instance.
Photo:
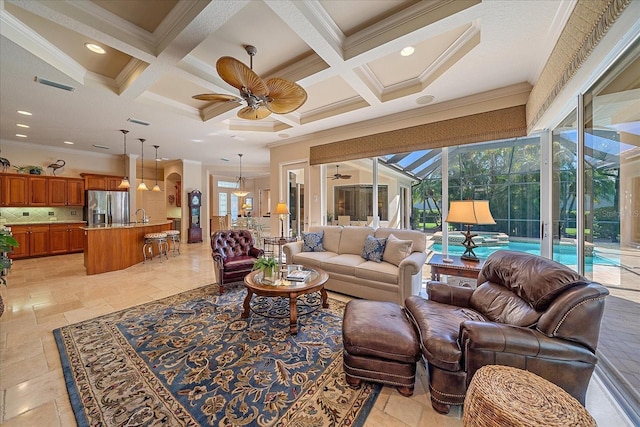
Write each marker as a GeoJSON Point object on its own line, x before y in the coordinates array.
{"type": "Point", "coordinates": [527, 312]}
{"type": "Point", "coordinates": [233, 254]}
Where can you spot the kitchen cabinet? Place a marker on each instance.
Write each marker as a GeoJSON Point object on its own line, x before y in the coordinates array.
{"type": "Point", "coordinates": [33, 240]}
{"type": "Point", "coordinates": [66, 238]}
{"type": "Point", "coordinates": [38, 190]}
{"type": "Point", "coordinates": [15, 190]}
{"type": "Point", "coordinates": [23, 190]}
{"type": "Point", "coordinates": [102, 182]}
{"type": "Point", "coordinates": [75, 192]}
{"type": "Point", "coordinates": [66, 192]}
{"type": "Point", "coordinates": [47, 239]}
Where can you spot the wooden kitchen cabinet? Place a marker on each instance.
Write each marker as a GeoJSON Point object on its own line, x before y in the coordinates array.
{"type": "Point", "coordinates": [75, 192]}
{"type": "Point", "coordinates": [59, 239]}
{"type": "Point", "coordinates": [66, 192]}
{"type": "Point", "coordinates": [21, 234]}
{"type": "Point", "coordinates": [47, 239]}
{"type": "Point", "coordinates": [15, 190]}
{"type": "Point", "coordinates": [102, 182]}
{"type": "Point", "coordinates": [33, 240]}
{"type": "Point", "coordinates": [66, 238]}
{"type": "Point", "coordinates": [38, 190]}
{"type": "Point", "coordinates": [76, 237]}
{"type": "Point", "coordinates": [57, 192]}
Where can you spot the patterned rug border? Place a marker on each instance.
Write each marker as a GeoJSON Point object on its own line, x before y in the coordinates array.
{"type": "Point", "coordinates": [336, 307]}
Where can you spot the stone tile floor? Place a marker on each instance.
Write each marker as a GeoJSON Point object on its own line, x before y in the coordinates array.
{"type": "Point", "coordinates": [46, 293]}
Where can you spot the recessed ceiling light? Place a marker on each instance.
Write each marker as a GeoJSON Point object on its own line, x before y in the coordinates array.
{"type": "Point", "coordinates": [68, 142]}
{"type": "Point", "coordinates": [238, 138]}
{"type": "Point", "coordinates": [197, 140]}
{"type": "Point", "coordinates": [24, 113]}
{"type": "Point", "coordinates": [21, 135]}
{"type": "Point", "coordinates": [407, 51]}
{"type": "Point", "coordinates": [21, 125]}
{"type": "Point", "coordinates": [423, 100]}
{"type": "Point", "coordinates": [283, 135]}
{"type": "Point", "coordinates": [95, 48]}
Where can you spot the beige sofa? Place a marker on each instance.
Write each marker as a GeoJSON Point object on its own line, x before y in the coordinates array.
{"type": "Point", "coordinates": [351, 274]}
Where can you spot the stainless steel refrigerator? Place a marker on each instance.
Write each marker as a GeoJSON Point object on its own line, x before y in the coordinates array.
{"type": "Point", "coordinates": [107, 207]}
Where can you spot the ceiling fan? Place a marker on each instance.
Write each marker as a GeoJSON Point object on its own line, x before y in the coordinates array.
{"type": "Point", "coordinates": [263, 97]}
{"type": "Point", "coordinates": [338, 175]}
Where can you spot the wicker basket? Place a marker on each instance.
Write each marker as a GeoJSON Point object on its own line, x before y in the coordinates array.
{"type": "Point", "coordinates": [504, 396]}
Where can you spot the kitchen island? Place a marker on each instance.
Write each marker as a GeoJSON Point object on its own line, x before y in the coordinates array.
{"type": "Point", "coordinates": [117, 246]}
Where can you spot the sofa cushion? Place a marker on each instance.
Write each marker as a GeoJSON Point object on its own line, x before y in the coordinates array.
{"type": "Point", "coordinates": [378, 272]}
{"type": "Point", "coordinates": [352, 239]}
{"type": "Point", "coordinates": [396, 250]}
{"type": "Point", "coordinates": [312, 259]}
{"type": "Point", "coordinates": [439, 329]}
{"type": "Point", "coordinates": [503, 306]}
{"type": "Point", "coordinates": [342, 264]}
{"type": "Point", "coordinates": [418, 237]}
{"type": "Point", "coordinates": [373, 248]}
{"type": "Point", "coordinates": [312, 241]}
{"type": "Point", "coordinates": [331, 238]}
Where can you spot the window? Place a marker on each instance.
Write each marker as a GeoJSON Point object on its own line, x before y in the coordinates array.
{"type": "Point", "coordinates": [356, 201]}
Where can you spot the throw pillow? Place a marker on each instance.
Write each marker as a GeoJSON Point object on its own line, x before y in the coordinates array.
{"type": "Point", "coordinates": [396, 250]}
{"type": "Point", "coordinates": [312, 242]}
{"type": "Point", "coordinates": [373, 248]}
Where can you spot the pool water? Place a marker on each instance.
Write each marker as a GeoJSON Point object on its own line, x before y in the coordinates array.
{"type": "Point", "coordinates": [564, 254]}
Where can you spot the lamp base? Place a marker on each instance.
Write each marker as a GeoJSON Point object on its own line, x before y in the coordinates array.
{"type": "Point", "coordinates": [469, 245]}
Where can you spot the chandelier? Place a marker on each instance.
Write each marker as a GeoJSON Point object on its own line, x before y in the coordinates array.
{"type": "Point", "coordinates": [125, 180]}
{"type": "Point", "coordinates": [156, 187]}
{"type": "Point", "coordinates": [142, 186]}
{"type": "Point", "coordinates": [240, 192]}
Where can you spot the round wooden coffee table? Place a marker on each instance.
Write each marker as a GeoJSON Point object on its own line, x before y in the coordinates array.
{"type": "Point", "coordinates": [287, 289]}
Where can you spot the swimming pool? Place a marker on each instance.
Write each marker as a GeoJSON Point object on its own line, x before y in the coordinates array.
{"type": "Point", "coordinates": [564, 254]}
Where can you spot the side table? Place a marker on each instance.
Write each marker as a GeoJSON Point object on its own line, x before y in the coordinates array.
{"type": "Point", "coordinates": [458, 267]}
{"type": "Point", "coordinates": [271, 242]}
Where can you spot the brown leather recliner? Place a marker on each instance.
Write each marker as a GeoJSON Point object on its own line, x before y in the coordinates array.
{"type": "Point", "coordinates": [527, 312]}
{"type": "Point", "coordinates": [233, 254]}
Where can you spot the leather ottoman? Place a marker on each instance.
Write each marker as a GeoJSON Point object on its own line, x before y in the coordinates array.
{"type": "Point", "coordinates": [380, 345]}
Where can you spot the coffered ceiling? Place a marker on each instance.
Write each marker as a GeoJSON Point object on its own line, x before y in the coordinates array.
{"type": "Point", "coordinates": [345, 54]}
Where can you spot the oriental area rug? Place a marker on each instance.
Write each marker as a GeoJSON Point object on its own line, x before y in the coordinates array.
{"type": "Point", "coordinates": [191, 360]}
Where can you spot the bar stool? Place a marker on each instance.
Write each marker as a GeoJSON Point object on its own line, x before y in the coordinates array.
{"type": "Point", "coordinates": [160, 239]}
{"type": "Point", "coordinates": [173, 236]}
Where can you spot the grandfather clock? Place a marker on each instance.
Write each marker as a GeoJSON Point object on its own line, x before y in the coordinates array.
{"type": "Point", "coordinates": [195, 231]}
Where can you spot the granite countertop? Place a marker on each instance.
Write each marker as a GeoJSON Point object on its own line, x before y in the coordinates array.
{"type": "Point", "coordinates": [129, 225]}
{"type": "Point", "coordinates": [11, 224]}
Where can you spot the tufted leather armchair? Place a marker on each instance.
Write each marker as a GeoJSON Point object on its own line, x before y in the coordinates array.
{"type": "Point", "coordinates": [527, 312]}
{"type": "Point", "coordinates": [233, 254]}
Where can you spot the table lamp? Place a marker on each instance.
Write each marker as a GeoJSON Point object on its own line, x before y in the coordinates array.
{"type": "Point", "coordinates": [470, 212]}
{"type": "Point", "coordinates": [282, 210]}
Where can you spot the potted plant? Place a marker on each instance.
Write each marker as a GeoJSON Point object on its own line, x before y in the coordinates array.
{"type": "Point", "coordinates": [7, 243]}
{"type": "Point", "coordinates": [269, 267]}
{"type": "Point", "coordinates": [33, 170]}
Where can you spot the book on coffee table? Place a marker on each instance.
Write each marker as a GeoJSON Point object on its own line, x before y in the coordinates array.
{"type": "Point", "coordinates": [298, 275]}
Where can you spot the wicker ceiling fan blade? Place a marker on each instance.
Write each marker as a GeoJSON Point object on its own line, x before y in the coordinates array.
{"type": "Point", "coordinates": [284, 96]}
{"type": "Point", "coordinates": [240, 76]}
{"type": "Point", "coordinates": [253, 113]}
{"type": "Point", "coordinates": [217, 97]}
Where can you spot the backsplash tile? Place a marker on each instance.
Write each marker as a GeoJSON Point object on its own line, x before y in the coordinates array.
{"type": "Point", "coordinates": [49, 214]}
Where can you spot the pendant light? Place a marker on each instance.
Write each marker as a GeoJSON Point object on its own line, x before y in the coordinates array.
{"type": "Point", "coordinates": [142, 186]}
{"type": "Point", "coordinates": [156, 187]}
{"type": "Point", "coordinates": [125, 180]}
{"type": "Point", "coordinates": [240, 192]}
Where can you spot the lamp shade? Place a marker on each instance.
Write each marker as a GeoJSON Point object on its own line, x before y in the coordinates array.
{"type": "Point", "coordinates": [470, 212]}
{"type": "Point", "coordinates": [282, 209]}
